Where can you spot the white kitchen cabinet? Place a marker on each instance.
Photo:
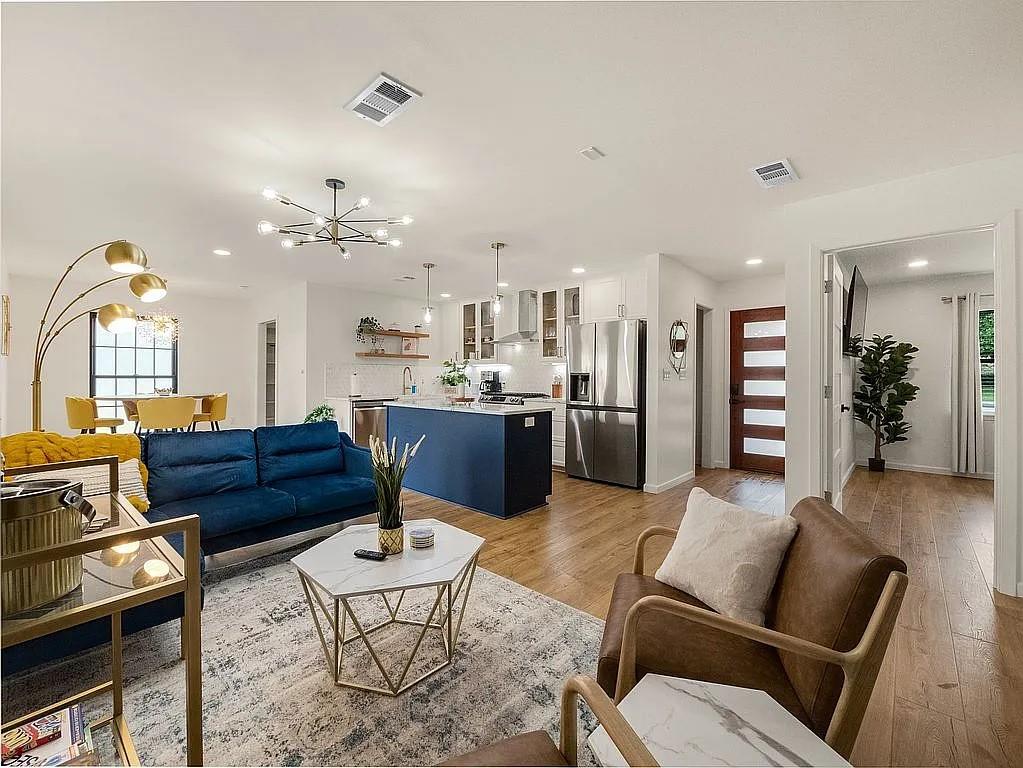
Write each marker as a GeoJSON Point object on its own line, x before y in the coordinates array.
{"type": "Point", "coordinates": [558, 306]}
{"type": "Point", "coordinates": [558, 435]}
{"type": "Point", "coordinates": [480, 330]}
{"type": "Point", "coordinates": [614, 297]}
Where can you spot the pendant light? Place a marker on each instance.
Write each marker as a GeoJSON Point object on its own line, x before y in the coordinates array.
{"type": "Point", "coordinates": [428, 310]}
{"type": "Point", "coordinates": [496, 306]}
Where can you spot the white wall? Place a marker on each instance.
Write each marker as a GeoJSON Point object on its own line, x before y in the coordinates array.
{"type": "Point", "coordinates": [912, 311]}
{"type": "Point", "coordinates": [210, 359]}
{"type": "Point", "coordinates": [287, 305]}
{"type": "Point", "coordinates": [5, 288]}
{"type": "Point", "coordinates": [957, 198]}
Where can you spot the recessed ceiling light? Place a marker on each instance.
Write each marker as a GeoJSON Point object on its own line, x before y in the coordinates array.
{"type": "Point", "coordinates": [917, 264]}
{"type": "Point", "coordinates": [502, 284]}
{"type": "Point", "coordinates": [754, 262]}
{"type": "Point", "coordinates": [445, 295]}
{"type": "Point", "coordinates": [591, 153]}
{"type": "Point", "coordinates": [578, 270]}
{"type": "Point", "coordinates": [221, 252]}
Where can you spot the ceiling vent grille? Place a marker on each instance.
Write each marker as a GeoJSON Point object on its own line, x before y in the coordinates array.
{"type": "Point", "coordinates": [383, 100]}
{"type": "Point", "coordinates": [775, 174]}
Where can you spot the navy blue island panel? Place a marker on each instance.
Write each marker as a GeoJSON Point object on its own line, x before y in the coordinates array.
{"type": "Point", "coordinates": [496, 462]}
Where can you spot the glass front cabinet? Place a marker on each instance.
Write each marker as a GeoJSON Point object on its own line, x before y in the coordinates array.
{"type": "Point", "coordinates": [558, 306]}
{"type": "Point", "coordinates": [479, 330]}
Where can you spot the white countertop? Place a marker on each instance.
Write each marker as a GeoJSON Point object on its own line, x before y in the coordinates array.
{"type": "Point", "coordinates": [492, 409]}
{"type": "Point", "coordinates": [338, 572]}
{"type": "Point", "coordinates": [692, 723]}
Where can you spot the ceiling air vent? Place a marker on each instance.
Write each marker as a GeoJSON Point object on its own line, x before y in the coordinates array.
{"type": "Point", "coordinates": [775, 174]}
{"type": "Point", "coordinates": [383, 100]}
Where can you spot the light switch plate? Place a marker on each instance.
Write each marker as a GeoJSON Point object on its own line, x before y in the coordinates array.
{"type": "Point", "coordinates": [530, 421]}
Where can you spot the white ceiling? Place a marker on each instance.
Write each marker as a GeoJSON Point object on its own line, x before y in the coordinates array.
{"type": "Point", "coordinates": [953, 254]}
{"type": "Point", "coordinates": [160, 122]}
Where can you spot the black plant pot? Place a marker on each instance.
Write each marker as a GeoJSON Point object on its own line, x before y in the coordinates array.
{"type": "Point", "coordinates": [875, 465]}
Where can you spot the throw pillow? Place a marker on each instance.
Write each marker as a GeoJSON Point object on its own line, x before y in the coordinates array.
{"type": "Point", "coordinates": [727, 556]}
{"type": "Point", "coordinates": [95, 480]}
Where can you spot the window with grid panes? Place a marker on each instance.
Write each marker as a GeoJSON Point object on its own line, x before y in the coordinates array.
{"type": "Point", "coordinates": [123, 364]}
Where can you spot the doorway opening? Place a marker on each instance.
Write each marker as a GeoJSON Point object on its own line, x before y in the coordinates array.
{"type": "Point", "coordinates": [266, 381]}
{"type": "Point", "coordinates": [703, 405]}
{"type": "Point", "coordinates": [757, 389]}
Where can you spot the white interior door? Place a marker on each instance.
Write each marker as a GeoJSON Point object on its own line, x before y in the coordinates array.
{"type": "Point", "coordinates": [834, 317]}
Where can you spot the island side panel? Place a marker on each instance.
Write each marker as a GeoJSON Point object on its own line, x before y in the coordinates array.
{"type": "Point", "coordinates": [527, 461]}
{"type": "Point", "coordinates": [461, 459]}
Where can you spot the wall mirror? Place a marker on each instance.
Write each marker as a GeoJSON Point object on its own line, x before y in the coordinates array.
{"type": "Point", "coordinates": [678, 343]}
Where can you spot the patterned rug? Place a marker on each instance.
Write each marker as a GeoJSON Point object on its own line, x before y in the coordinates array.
{"type": "Point", "coordinates": [268, 698]}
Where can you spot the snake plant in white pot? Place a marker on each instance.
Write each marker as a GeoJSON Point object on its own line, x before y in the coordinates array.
{"type": "Point", "coordinates": [389, 474]}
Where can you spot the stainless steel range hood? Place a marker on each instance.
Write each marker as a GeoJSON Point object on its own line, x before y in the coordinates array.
{"type": "Point", "coordinates": [527, 321]}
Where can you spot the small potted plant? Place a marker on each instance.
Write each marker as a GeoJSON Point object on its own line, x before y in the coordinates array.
{"type": "Point", "coordinates": [453, 377]}
{"type": "Point", "coordinates": [389, 473]}
{"type": "Point", "coordinates": [321, 412]}
{"type": "Point", "coordinates": [884, 392]}
{"type": "Point", "coordinates": [367, 329]}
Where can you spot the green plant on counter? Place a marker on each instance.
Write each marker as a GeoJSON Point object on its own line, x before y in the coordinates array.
{"type": "Point", "coordinates": [367, 329]}
{"type": "Point", "coordinates": [453, 374]}
{"type": "Point", "coordinates": [320, 413]}
{"type": "Point", "coordinates": [389, 474]}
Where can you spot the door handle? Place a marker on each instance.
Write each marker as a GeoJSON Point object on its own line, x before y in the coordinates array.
{"type": "Point", "coordinates": [845, 408]}
{"type": "Point", "coordinates": [735, 401]}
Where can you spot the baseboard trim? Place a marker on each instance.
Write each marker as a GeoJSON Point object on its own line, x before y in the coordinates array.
{"type": "Point", "coordinates": [848, 474]}
{"type": "Point", "coordinates": [924, 469]}
{"type": "Point", "coordinates": [264, 548]}
{"type": "Point", "coordinates": [674, 482]}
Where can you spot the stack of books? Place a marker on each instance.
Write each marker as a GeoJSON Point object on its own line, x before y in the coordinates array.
{"type": "Point", "coordinates": [421, 538]}
{"type": "Point", "coordinates": [62, 738]}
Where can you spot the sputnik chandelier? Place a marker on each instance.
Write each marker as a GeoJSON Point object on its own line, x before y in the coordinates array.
{"type": "Point", "coordinates": [335, 229]}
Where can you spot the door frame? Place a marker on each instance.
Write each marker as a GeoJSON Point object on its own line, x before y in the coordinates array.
{"type": "Point", "coordinates": [1007, 232]}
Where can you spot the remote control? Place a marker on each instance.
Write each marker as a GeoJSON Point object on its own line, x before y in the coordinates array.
{"type": "Point", "coordinates": [370, 554]}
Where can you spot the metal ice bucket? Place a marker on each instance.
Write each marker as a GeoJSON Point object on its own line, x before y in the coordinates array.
{"type": "Point", "coordinates": [34, 514]}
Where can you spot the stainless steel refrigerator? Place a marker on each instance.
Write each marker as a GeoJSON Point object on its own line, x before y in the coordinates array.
{"type": "Point", "coordinates": [605, 436]}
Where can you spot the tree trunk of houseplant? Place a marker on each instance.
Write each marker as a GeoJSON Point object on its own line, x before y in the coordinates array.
{"type": "Point", "coordinates": [876, 464]}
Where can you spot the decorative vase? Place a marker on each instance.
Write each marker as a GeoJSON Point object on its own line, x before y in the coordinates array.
{"type": "Point", "coordinates": [460, 391]}
{"type": "Point", "coordinates": [875, 465]}
{"type": "Point", "coordinates": [392, 540]}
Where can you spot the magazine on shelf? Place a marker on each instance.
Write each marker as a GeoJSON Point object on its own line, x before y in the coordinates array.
{"type": "Point", "coordinates": [73, 744]}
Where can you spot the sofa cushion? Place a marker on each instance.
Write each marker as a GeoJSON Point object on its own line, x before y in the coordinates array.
{"type": "Point", "coordinates": [298, 450]}
{"type": "Point", "coordinates": [323, 493]}
{"type": "Point", "coordinates": [185, 465]}
{"type": "Point", "coordinates": [229, 511]}
{"type": "Point", "coordinates": [672, 645]}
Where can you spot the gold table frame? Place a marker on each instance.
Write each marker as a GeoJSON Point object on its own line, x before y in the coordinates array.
{"type": "Point", "coordinates": [337, 621]}
{"type": "Point", "coordinates": [183, 579]}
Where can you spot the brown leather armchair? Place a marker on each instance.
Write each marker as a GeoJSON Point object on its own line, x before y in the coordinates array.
{"type": "Point", "coordinates": [831, 615]}
{"type": "Point", "coordinates": [536, 748]}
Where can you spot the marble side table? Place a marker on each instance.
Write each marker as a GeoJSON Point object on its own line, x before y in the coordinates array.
{"type": "Point", "coordinates": [691, 723]}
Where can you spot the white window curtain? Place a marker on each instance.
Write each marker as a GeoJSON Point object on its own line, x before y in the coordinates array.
{"type": "Point", "coordinates": [967, 413]}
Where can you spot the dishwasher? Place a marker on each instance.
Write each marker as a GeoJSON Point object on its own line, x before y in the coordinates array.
{"type": "Point", "coordinates": [369, 417]}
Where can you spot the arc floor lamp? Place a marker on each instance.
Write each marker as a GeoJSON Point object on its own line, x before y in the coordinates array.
{"type": "Point", "coordinates": [123, 257]}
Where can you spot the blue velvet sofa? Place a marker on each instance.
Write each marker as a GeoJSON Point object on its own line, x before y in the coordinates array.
{"type": "Point", "coordinates": [246, 487]}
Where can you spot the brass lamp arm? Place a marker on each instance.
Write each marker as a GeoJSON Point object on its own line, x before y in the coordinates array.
{"type": "Point", "coordinates": [60, 282]}
{"type": "Point", "coordinates": [42, 342]}
{"type": "Point", "coordinates": [56, 333]}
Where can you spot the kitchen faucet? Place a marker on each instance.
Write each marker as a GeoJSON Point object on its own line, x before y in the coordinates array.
{"type": "Point", "coordinates": [408, 388]}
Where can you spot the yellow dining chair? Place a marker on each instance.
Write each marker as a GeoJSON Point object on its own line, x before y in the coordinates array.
{"type": "Point", "coordinates": [131, 413]}
{"type": "Point", "coordinates": [166, 413]}
{"type": "Point", "coordinates": [213, 410]}
{"type": "Point", "coordinates": [83, 414]}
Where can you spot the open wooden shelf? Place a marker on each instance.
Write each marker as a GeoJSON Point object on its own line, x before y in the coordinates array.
{"type": "Point", "coordinates": [392, 355]}
{"type": "Point", "coordinates": [401, 334]}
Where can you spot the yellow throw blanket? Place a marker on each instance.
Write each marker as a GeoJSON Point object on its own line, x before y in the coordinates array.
{"type": "Point", "coordinates": [32, 448]}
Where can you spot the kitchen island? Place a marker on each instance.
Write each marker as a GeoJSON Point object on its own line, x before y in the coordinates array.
{"type": "Point", "coordinates": [493, 458]}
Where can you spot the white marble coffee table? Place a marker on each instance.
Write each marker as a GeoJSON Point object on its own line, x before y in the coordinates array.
{"type": "Point", "coordinates": [689, 723]}
{"type": "Point", "coordinates": [330, 573]}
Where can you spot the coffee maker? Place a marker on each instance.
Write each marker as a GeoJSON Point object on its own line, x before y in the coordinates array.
{"type": "Point", "coordinates": [490, 382]}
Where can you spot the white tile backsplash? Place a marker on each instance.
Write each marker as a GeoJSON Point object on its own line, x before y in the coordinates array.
{"type": "Point", "coordinates": [523, 370]}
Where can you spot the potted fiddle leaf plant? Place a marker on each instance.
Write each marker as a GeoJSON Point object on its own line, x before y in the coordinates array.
{"type": "Point", "coordinates": [884, 392]}
{"type": "Point", "coordinates": [453, 377]}
{"type": "Point", "coordinates": [389, 474]}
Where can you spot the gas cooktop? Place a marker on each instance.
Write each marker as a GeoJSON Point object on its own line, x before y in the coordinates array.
{"type": "Point", "coordinates": [511, 398]}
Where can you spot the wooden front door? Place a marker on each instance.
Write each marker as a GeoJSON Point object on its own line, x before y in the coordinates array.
{"type": "Point", "coordinates": [757, 389]}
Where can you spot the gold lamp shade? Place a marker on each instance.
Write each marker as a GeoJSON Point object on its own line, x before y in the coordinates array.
{"type": "Point", "coordinates": [126, 257]}
{"type": "Point", "coordinates": [148, 287]}
{"type": "Point", "coordinates": [116, 318]}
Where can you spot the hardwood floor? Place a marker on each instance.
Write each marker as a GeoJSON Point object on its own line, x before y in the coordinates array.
{"type": "Point", "coordinates": [951, 689]}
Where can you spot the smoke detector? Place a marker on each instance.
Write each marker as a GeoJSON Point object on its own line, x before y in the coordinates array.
{"type": "Point", "coordinates": [383, 100]}
{"type": "Point", "coordinates": [591, 153]}
{"type": "Point", "coordinates": [404, 278]}
{"type": "Point", "coordinates": [775, 174]}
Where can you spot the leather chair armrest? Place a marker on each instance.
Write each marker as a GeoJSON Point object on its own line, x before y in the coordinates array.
{"type": "Point", "coordinates": [358, 461]}
{"type": "Point", "coordinates": [649, 533]}
{"type": "Point", "coordinates": [617, 727]}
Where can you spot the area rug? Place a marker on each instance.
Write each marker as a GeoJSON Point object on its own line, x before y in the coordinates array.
{"type": "Point", "coordinates": [268, 698]}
